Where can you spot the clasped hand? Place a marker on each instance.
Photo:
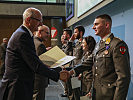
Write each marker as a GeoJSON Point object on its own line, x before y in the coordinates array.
{"type": "Point", "coordinates": [64, 75]}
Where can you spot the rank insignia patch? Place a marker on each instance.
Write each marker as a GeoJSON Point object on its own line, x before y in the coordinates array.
{"type": "Point", "coordinates": [122, 49]}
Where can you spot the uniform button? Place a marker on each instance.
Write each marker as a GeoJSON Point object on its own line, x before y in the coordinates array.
{"type": "Point", "coordinates": [103, 55]}
{"type": "Point", "coordinates": [109, 85]}
{"type": "Point", "coordinates": [95, 74]}
{"type": "Point", "coordinates": [96, 67]}
{"type": "Point", "coordinates": [96, 61]}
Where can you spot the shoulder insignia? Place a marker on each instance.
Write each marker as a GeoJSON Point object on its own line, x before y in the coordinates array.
{"type": "Point", "coordinates": [122, 49]}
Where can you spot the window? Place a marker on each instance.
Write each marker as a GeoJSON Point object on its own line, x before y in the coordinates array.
{"type": "Point", "coordinates": [51, 1]}
{"type": "Point", "coordinates": [34, 0]}
{"type": "Point", "coordinates": [43, 1]}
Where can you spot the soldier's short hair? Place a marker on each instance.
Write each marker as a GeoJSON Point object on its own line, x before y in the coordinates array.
{"type": "Point", "coordinates": [80, 28]}
{"type": "Point", "coordinates": [69, 31]}
{"type": "Point", "coordinates": [106, 17]}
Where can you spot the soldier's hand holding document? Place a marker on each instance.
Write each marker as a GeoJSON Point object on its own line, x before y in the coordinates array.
{"type": "Point", "coordinates": [55, 57]}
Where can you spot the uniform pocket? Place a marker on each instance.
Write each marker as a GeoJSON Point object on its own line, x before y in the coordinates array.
{"type": "Point", "coordinates": [108, 89]}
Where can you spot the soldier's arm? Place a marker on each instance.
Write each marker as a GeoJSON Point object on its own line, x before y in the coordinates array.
{"type": "Point", "coordinates": [84, 66]}
{"type": "Point", "coordinates": [122, 68]}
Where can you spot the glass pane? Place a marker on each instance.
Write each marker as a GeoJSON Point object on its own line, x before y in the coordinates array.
{"type": "Point", "coordinates": [35, 0]}
{"type": "Point", "coordinates": [27, 0]}
{"type": "Point", "coordinates": [11, 0]}
{"type": "Point", "coordinates": [51, 1]}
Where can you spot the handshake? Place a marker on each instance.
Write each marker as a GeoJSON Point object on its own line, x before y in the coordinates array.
{"type": "Point", "coordinates": [64, 75]}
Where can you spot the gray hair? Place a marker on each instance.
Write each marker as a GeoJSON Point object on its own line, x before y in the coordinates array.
{"type": "Point", "coordinates": [30, 12]}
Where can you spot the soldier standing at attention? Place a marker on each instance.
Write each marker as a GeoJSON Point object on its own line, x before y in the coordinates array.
{"type": "Point", "coordinates": [111, 63]}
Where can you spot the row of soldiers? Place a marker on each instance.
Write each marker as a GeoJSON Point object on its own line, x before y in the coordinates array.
{"type": "Point", "coordinates": [105, 69]}
{"type": "Point", "coordinates": [80, 47]}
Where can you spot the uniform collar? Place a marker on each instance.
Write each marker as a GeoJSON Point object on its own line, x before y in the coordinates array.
{"type": "Point", "coordinates": [107, 36]}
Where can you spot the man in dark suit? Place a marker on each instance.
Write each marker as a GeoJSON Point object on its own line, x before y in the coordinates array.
{"type": "Point", "coordinates": [110, 61]}
{"type": "Point", "coordinates": [21, 61]}
{"type": "Point", "coordinates": [41, 82]}
{"type": "Point", "coordinates": [3, 47]}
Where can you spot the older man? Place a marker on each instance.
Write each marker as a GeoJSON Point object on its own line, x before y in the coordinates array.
{"type": "Point", "coordinates": [21, 62]}
{"type": "Point", "coordinates": [41, 82]}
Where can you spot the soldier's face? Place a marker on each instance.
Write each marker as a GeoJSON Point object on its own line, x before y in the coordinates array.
{"type": "Point", "coordinates": [65, 35]}
{"type": "Point", "coordinates": [76, 33]}
{"type": "Point", "coordinates": [99, 26]}
{"type": "Point", "coordinates": [84, 44]}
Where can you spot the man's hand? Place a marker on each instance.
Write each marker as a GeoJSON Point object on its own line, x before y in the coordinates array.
{"type": "Point", "coordinates": [48, 48]}
{"type": "Point", "coordinates": [89, 94]}
{"type": "Point", "coordinates": [64, 75]}
{"type": "Point", "coordinates": [72, 38]}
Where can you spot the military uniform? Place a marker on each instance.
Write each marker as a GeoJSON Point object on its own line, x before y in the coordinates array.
{"type": "Point", "coordinates": [77, 52]}
{"type": "Point", "coordinates": [66, 48]}
{"type": "Point", "coordinates": [111, 69]}
{"type": "Point", "coordinates": [86, 78]}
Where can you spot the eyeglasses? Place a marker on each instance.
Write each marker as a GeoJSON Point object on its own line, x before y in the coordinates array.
{"type": "Point", "coordinates": [36, 19]}
{"type": "Point", "coordinates": [45, 32]}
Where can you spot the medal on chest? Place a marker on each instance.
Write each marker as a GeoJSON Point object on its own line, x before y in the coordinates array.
{"type": "Point", "coordinates": [108, 40]}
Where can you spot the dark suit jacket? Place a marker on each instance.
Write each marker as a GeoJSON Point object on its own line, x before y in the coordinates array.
{"type": "Point", "coordinates": [21, 64]}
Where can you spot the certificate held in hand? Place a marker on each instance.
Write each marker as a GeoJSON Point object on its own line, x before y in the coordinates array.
{"type": "Point", "coordinates": [55, 57]}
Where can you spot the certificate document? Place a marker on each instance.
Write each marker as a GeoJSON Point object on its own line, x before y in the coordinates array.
{"type": "Point", "coordinates": [55, 57]}
{"type": "Point", "coordinates": [75, 82]}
